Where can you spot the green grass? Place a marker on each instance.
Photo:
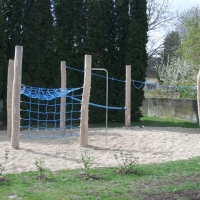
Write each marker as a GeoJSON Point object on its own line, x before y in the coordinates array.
{"type": "Point", "coordinates": [165, 122]}
{"type": "Point", "coordinates": [151, 122]}
{"type": "Point", "coordinates": [145, 121]}
{"type": "Point", "coordinates": [65, 184]}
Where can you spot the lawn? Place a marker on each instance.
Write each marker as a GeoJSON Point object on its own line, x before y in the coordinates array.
{"type": "Point", "coordinates": [152, 122]}
{"type": "Point", "coordinates": [151, 181]}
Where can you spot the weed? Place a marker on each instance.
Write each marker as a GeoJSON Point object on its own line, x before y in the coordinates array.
{"type": "Point", "coordinates": [87, 161]}
{"type": "Point", "coordinates": [40, 167]}
{"type": "Point", "coordinates": [2, 165]}
{"type": "Point", "coordinates": [127, 163]}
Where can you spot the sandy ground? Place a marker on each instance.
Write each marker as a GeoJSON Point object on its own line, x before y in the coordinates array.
{"type": "Point", "coordinates": [149, 144]}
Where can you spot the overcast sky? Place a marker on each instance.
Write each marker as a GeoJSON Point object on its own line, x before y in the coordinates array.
{"type": "Point", "coordinates": [182, 5]}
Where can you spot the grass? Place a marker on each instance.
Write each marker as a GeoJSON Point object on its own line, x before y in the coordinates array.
{"type": "Point", "coordinates": [145, 121]}
{"type": "Point", "coordinates": [65, 184]}
{"type": "Point", "coordinates": [165, 122]}
{"type": "Point", "coordinates": [151, 122]}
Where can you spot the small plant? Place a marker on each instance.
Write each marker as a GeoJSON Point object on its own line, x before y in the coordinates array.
{"type": "Point", "coordinates": [87, 161]}
{"type": "Point", "coordinates": [127, 163]}
{"type": "Point", "coordinates": [40, 167]}
{"type": "Point", "coordinates": [2, 166]}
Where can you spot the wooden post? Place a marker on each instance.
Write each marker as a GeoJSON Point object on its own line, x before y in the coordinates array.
{"type": "Point", "coordinates": [128, 97]}
{"type": "Point", "coordinates": [85, 101]}
{"type": "Point", "coordinates": [198, 95]}
{"type": "Point", "coordinates": [15, 130]}
{"type": "Point", "coordinates": [63, 98]}
{"type": "Point", "coordinates": [9, 96]}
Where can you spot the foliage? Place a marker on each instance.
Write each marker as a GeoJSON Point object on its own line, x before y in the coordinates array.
{"type": "Point", "coordinates": [136, 54]}
{"type": "Point", "coordinates": [51, 31]}
{"type": "Point", "coordinates": [70, 36]}
{"type": "Point", "coordinates": [190, 48]}
{"type": "Point", "coordinates": [13, 11]}
{"type": "Point", "coordinates": [127, 163]}
{"type": "Point", "coordinates": [116, 67]}
{"type": "Point", "coordinates": [190, 15]}
{"type": "Point", "coordinates": [176, 72]}
{"type": "Point", "coordinates": [161, 93]}
{"type": "Point", "coordinates": [3, 58]}
{"type": "Point", "coordinates": [177, 79]}
{"type": "Point", "coordinates": [87, 161]}
{"type": "Point", "coordinates": [171, 44]}
{"type": "Point", "coordinates": [95, 43]}
{"type": "Point", "coordinates": [39, 46]}
{"type": "Point", "coordinates": [39, 163]}
{"type": "Point", "coordinates": [188, 26]}
{"type": "Point", "coordinates": [175, 92]}
{"type": "Point", "coordinates": [2, 165]}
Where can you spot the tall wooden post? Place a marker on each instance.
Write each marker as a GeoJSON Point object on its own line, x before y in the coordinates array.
{"type": "Point", "coordinates": [128, 97]}
{"type": "Point", "coordinates": [85, 101]}
{"type": "Point", "coordinates": [63, 98]}
{"type": "Point", "coordinates": [15, 130]}
{"type": "Point", "coordinates": [9, 96]}
{"type": "Point", "coordinates": [198, 95]}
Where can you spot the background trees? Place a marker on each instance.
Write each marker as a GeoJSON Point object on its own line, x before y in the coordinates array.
{"type": "Point", "coordinates": [3, 59]}
{"type": "Point", "coordinates": [136, 51]}
{"type": "Point", "coordinates": [159, 18]}
{"type": "Point", "coordinates": [178, 63]}
{"type": "Point", "coordinates": [113, 32]}
{"type": "Point", "coordinates": [12, 12]}
{"type": "Point", "coordinates": [171, 45]}
{"type": "Point", "coordinates": [39, 60]}
{"type": "Point", "coordinates": [189, 27]}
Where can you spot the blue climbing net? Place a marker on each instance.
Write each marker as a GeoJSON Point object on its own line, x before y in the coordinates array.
{"type": "Point", "coordinates": [41, 115]}
{"type": "Point", "coordinates": [40, 107]}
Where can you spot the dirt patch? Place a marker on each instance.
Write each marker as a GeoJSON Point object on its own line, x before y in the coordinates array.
{"type": "Point", "coordinates": [177, 195]}
{"type": "Point", "coordinates": [156, 186]}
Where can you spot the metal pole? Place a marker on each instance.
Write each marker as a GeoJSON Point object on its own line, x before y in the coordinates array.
{"type": "Point", "coordinates": [101, 69]}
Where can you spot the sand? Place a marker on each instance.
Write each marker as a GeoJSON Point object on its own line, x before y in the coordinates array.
{"type": "Point", "coordinates": [149, 144]}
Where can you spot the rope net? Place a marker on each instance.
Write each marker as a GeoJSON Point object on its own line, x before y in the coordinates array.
{"type": "Point", "coordinates": [41, 115]}
{"type": "Point", "coordinates": [40, 107]}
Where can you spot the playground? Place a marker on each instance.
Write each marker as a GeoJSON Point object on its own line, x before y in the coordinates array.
{"type": "Point", "coordinates": [62, 150]}
{"type": "Point", "coordinates": [149, 144]}
{"type": "Point", "coordinates": [44, 123]}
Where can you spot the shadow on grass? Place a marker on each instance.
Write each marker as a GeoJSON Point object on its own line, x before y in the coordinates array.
{"type": "Point", "coordinates": [150, 122]}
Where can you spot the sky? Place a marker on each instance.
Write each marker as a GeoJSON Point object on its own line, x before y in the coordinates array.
{"type": "Point", "coordinates": [182, 5]}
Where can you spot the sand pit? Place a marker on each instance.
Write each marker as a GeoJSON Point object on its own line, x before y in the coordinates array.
{"type": "Point", "coordinates": [151, 145]}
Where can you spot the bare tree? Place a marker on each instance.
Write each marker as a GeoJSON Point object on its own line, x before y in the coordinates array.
{"type": "Point", "coordinates": [191, 15]}
{"type": "Point", "coordinates": [159, 18]}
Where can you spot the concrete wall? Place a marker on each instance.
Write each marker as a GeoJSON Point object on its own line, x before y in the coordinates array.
{"type": "Point", "coordinates": [171, 108]}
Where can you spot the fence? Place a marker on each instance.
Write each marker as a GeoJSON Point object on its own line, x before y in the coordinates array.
{"type": "Point", "coordinates": [153, 90]}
